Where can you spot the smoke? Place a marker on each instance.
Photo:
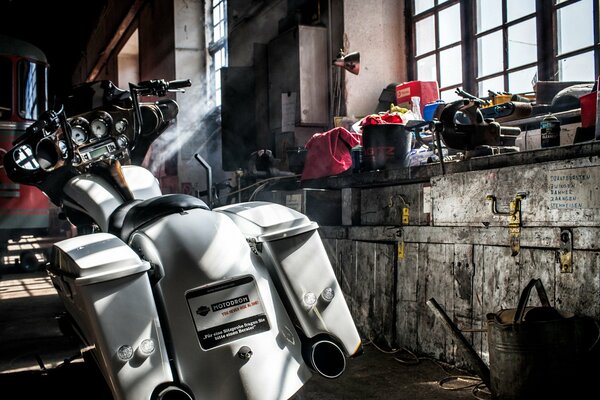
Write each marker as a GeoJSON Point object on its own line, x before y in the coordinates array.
{"type": "Point", "coordinates": [187, 135]}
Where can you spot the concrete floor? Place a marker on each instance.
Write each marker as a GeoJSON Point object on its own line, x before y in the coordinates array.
{"type": "Point", "coordinates": [33, 354]}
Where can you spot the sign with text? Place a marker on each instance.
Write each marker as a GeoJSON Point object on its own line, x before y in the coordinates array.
{"type": "Point", "coordinates": [227, 311]}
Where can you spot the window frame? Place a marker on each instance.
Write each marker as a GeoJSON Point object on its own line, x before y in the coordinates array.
{"type": "Point", "coordinates": [547, 48]}
{"type": "Point", "coordinates": [434, 11]}
{"type": "Point", "coordinates": [213, 47]}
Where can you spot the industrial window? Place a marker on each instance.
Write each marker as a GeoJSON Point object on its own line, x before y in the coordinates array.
{"type": "Point", "coordinates": [503, 45]}
{"type": "Point", "coordinates": [217, 47]}
{"type": "Point", "coordinates": [437, 42]}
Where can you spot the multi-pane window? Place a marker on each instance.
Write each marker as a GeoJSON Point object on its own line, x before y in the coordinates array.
{"type": "Point", "coordinates": [218, 46]}
{"type": "Point", "coordinates": [576, 40]}
{"type": "Point", "coordinates": [504, 45]}
{"type": "Point", "coordinates": [437, 31]}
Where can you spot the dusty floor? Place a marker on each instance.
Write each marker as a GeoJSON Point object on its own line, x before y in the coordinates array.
{"type": "Point", "coordinates": [33, 354]}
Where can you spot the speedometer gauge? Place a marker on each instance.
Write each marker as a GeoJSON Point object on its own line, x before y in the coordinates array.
{"type": "Point", "coordinates": [101, 125]}
{"type": "Point", "coordinates": [79, 130]}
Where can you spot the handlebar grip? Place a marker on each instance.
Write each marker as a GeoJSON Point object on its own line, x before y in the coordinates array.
{"type": "Point", "coordinates": [180, 83]}
{"type": "Point", "coordinates": [48, 118]}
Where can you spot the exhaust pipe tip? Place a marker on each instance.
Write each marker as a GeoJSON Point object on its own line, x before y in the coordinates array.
{"type": "Point", "coordinates": [326, 358]}
{"type": "Point", "coordinates": [172, 392]}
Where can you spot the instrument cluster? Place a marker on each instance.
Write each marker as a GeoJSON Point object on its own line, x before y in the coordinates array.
{"type": "Point", "coordinates": [96, 135]}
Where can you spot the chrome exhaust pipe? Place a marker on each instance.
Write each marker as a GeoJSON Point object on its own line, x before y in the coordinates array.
{"type": "Point", "coordinates": [172, 392]}
{"type": "Point", "coordinates": [326, 358]}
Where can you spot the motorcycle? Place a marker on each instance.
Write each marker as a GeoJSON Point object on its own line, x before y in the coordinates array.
{"type": "Point", "coordinates": [173, 299]}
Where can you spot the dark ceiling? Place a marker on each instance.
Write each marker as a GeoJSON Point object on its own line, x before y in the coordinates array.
{"type": "Point", "coordinates": [59, 28]}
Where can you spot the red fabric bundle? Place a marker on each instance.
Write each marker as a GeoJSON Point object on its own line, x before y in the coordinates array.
{"type": "Point", "coordinates": [386, 118]}
{"type": "Point", "coordinates": [329, 153]}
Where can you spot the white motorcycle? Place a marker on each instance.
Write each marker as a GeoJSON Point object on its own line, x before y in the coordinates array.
{"type": "Point", "coordinates": [171, 299]}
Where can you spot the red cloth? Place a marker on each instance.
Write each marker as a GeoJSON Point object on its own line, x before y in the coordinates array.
{"type": "Point", "coordinates": [386, 118]}
{"type": "Point", "coordinates": [329, 153]}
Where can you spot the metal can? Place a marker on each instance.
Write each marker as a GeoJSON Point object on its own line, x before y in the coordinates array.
{"type": "Point", "coordinates": [550, 131]}
{"type": "Point", "coordinates": [357, 158]}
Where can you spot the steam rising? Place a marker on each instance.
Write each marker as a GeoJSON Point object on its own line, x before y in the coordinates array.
{"type": "Point", "coordinates": [196, 130]}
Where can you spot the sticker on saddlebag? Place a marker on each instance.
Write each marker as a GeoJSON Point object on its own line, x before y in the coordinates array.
{"type": "Point", "coordinates": [227, 311]}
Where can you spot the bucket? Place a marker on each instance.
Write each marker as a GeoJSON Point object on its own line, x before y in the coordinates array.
{"type": "Point", "coordinates": [386, 145]}
{"type": "Point", "coordinates": [537, 352]}
{"type": "Point", "coordinates": [296, 157]}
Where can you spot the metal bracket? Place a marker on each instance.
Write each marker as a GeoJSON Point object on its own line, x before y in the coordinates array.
{"type": "Point", "coordinates": [565, 252]}
{"type": "Point", "coordinates": [405, 214]}
{"type": "Point", "coordinates": [514, 219]}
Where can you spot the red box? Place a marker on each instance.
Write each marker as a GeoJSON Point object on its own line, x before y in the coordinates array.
{"type": "Point", "coordinates": [428, 91]}
{"type": "Point", "coordinates": [588, 109]}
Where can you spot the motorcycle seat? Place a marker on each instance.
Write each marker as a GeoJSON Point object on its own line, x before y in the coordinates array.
{"type": "Point", "coordinates": [132, 215]}
{"type": "Point", "coordinates": [115, 221]}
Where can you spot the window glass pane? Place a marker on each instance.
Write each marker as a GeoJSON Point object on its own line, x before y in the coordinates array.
{"type": "Point", "coordinates": [219, 59]}
{"type": "Point", "coordinates": [218, 88]}
{"type": "Point", "coordinates": [426, 69]}
{"type": "Point", "coordinates": [522, 43]}
{"type": "Point", "coordinates": [577, 68]}
{"type": "Point", "coordinates": [449, 95]}
{"type": "Point", "coordinates": [519, 8]}
{"type": "Point", "coordinates": [218, 33]}
{"type": "Point", "coordinates": [5, 88]}
{"type": "Point", "coordinates": [218, 97]}
{"type": "Point", "coordinates": [422, 5]}
{"type": "Point", "coordinates": [216, 15]}
{"type": "Point", "coordinates": [218, 79]}
{"type": "Point", "coordinates": [489, 14]}
{"type": "Point", "coordinates": [494, 84]}
{"type": "Point", "coordinates": [522, 81]}
{"type": "Point", "coordinates": [575, 26]}
{"type": "Point", "coordinates": [490, 52]}
{"type": "Point", "coordinates": [451, 62]}
{"type": "Point", "coordinates": [425, 32]}
{"type": "Point", "coordinates": [215, 2]}
{"type": "Point", "coordinates": [32, 89]}
{"type": "Point", "coordinates": [449, 24]}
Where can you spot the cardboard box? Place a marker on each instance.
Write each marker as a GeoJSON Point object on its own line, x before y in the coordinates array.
{"type": "Point", "coordinates": [427, 91]}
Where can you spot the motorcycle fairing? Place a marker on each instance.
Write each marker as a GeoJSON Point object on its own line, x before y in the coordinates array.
{"type": "Point", "coordinates": [96, 197]}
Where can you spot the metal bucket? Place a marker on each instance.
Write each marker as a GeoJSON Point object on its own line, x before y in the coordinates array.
{"type": "Point", "coordinates": [386, 145]}
{"type": "Point", "coordinates": [537, 352]}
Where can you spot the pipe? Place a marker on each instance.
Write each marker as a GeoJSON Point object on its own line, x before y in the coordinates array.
{"type": "Point", "coordinates": [172, 392]}
{"type": "Point", "coordinates": [476, 362]}
{"type": "Point", "coordinates": [325, 357]}
{"type": "Point", "coordinates": [208, 169]}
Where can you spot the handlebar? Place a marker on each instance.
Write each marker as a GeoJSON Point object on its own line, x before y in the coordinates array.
{"type": "Point", "coordinates": [159, 87]}
{"type": "Point", "coordinates": [53, 141]}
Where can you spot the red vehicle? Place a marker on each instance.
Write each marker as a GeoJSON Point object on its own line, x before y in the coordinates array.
{"type": "Point", "coordinates": [24, 210]}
